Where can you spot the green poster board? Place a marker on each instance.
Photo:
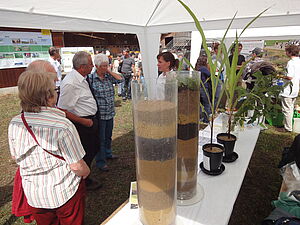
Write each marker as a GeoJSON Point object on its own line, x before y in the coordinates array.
{"type": "Point", "coordinates": [18, 49]}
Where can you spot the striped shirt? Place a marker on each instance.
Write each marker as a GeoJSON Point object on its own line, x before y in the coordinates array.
{"type": "Point", "coordinates": [48, 182]}
{"type": "Point", "coordinates": [104, 93]}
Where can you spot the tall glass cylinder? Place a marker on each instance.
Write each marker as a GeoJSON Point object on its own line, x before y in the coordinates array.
{"type": "Point", "coordinates": [155, 126]}
{"type": "Point", "coordinates": [188, 129]}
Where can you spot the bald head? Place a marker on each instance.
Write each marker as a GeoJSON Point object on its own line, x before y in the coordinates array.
{"type": "Point", "coordinates": [41, 66]}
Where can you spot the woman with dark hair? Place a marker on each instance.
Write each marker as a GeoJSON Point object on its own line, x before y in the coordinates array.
{"type": "Point", "coordinates": [241, 58]}
{"type": "Point", "coordinates": [205, 90]}
{"type": "Point", "coordinates": [166, 62]}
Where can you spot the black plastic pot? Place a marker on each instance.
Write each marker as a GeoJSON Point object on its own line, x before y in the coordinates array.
{"type": "Point", "coordinates": [228, 144]}
{"type": "Point", "coordinates": [214, 159]}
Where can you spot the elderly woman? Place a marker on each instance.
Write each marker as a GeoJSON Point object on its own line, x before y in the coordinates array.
{"type": "Point", "coordinates": [47, 148]}
{"type": "Point", "coordinates": [101, 84]}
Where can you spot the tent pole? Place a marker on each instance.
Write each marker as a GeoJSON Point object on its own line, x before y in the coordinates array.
{"type": "Point", "coordinates": [196, 42]}
{"type": "Point", "coordinates": [149, 45]}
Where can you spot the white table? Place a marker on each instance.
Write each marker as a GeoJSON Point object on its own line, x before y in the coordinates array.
{"type": "Point", "coordinates": [220, 192]}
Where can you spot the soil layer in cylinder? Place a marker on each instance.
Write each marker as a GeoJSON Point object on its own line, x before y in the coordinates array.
{"type": "Point", "coordinates": [155, 137]}
{"type": "Point", "coordinates": [187, 143]}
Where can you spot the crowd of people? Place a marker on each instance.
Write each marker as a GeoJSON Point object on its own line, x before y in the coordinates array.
{"type": "Point", "coordinates": [256, 62]}
{"type": "Point", "coordinates": [54, 140]}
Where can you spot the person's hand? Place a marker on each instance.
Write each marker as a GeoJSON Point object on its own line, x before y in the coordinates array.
{"type": "Point", "coordinates": [87, 122]}
{"type": "Point", "coordinates": [284, 77]}
{"type": "Point", "coordinates": [108, 70]}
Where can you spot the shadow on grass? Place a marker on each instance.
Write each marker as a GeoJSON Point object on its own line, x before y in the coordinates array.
{"type": "Point", "coordinates": [5, 194]}
{"type": "Point", "coordinates": [6, 197]}
{"type": "Point", "coordinates": [262, 181]}
{"type": "Point", "coordinates": [11, 220]}
{"type": "Point", "coordinates": [116, 183]}
{"type": "Point", "coordinates": [118, 103]}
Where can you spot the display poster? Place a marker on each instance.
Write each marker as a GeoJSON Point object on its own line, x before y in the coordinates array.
{"type": "Point", "coordinates": [18, 49]}
{"type": "Point", "coordinates": [67, 54]}
{"type": "Point", "coordinates": [248, 46]}
{"type": "Point", "coordinates": [133, 198]}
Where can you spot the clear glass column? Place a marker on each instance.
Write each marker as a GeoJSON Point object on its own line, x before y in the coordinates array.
{"type": "Point", "coordinates": [187, 137]}
{"type": "Point", "coordinates": [155, 127]}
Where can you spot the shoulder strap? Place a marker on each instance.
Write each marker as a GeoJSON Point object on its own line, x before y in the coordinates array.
{"type": "Point", "coordinates": [33, 136]}
{"type": "Point", "coordinates": [90, 82]}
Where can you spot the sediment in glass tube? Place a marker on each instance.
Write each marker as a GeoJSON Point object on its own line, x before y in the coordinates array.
{"type": "Point", "coordinates": [187, 142]}
{"type": "Point", "coordinates": [155, 124]}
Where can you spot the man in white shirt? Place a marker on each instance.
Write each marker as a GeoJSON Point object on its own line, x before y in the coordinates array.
{"type": "Point", "coordinates": [43, 66]}
{"type": "Point", "coordinates": [77, 98]}
{"type": "Point", "coordinates": [53, 59]}
{"type": "Point", "coordinates": [290, 92]}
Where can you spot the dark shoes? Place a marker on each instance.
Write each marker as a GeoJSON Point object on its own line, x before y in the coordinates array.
{"type": "Point", "coordinates": [92, 184]}
{"type": "Point", "coordinates": [283, 130]}
{"type": "Point", "coordinates": [126, 98]}
{"type": "Point", "coordinates": [104, 168]}
{"type": "Point", "coordinates": [113, 157]}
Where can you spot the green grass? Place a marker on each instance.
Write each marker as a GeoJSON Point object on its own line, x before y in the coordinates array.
{"type": "Point", "coordinates": [261, 184]}
{"type": "Point", "coordinates": [9, 107]}
{"type": "Point", "coordinates": [272, 42]}
{"type": "Point", "coordinates": [278, 58]}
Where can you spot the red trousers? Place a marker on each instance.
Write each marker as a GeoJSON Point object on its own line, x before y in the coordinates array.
{"type": "Point", "coordinates": [72, 212]}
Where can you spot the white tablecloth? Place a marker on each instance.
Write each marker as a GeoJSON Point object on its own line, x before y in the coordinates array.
{"type": "Point", "coordinates": [220, 192]}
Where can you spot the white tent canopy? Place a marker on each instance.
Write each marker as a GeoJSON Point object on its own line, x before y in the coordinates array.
{"type": "Point", "coordinates": [146, 18]}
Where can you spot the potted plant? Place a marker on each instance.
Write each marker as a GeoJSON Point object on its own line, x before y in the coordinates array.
{"type": "Point", "coordinates": [233, 94]}
{"type": "Point", "coordinates": [229, 88]}
{"type": "Point", "coordinates": [263, 100]}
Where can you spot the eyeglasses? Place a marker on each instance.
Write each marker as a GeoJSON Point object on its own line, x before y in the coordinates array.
{"type": "Point", "coordinates": [89, 64]}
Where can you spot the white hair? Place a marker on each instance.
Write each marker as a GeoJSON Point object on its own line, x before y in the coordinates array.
{"type": "Point", "coordinates": [100, 58]}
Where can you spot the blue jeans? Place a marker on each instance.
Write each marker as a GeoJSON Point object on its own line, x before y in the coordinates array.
{"type": "Point", "coordinates": [144, 86]}
{"type": "Point", "coordinates": [126, 88]}
{"type": "Point", "coordinates": [205, 102]}
{"type": "Point", "coordinates": [105, 131]}
{"type": "Point", "coordinates": [218, 92]}
{"type": "Point", "coordinates": [120, 87]}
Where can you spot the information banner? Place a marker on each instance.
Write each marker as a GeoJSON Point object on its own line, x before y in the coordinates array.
{"type": "Point", "coordinates": [249, 45]}
{"type": "Point", "coordinates": [18, 49]}
{"type": "Point", "coordinates": [67, 54]}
